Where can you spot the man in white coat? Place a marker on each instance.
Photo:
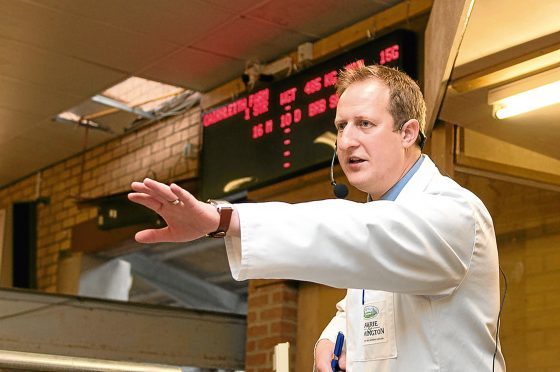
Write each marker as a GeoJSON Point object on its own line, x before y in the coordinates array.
{"type": "Point", "coordinates": [420, 260]}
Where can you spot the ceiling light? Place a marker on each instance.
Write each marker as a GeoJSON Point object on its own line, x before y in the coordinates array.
{"type": "Point", "coordinates": [526, 95]}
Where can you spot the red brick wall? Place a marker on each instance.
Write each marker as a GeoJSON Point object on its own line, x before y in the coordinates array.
{"type": "Point", "coordinates": [155, 151]}
{"type": "Point", "coordinates": [271, 319]}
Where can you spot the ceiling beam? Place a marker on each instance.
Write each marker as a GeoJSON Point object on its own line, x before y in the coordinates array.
{"type": "Point", "coordinates": [86, 123]}
{"type": "Point", "coordinates": [121, 106]}
{"type": "Point", "coordinates": [347, 37]}
{"type": "Point", "coordinates": [444, 33]}
{"type": "Point", "coordinates": [186, 288]}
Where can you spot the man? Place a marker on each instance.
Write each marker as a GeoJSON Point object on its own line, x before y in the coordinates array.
{"type": "Point", "coordinates": [420, 260]}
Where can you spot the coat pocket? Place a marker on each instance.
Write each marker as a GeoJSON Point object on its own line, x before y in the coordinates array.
{"type": "Point", "coordinates": [377, 329]}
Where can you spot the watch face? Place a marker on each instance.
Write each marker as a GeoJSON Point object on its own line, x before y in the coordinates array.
{"type": "Point", "coordinates": [217, 234]}
{"type": "Point", "coordinates": [219, 207]}
{"type": "Point", "coordinates": [219, 203]}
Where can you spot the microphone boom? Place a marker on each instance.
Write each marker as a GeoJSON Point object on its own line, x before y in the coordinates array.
{"type": "Point", "coordinates": [340, 190]}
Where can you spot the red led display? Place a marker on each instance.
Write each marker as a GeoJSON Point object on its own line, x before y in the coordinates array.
{"type": "Point", "coordinates": [284, 128]}
{"type": "Point", "coordinates": [314, 85]}
{"type": "Point", "coordinates": [288, 96]}
{"type": "Point", "coordinates": [389, 54]}
{"type": "Point", "coordinates": [317, 107]}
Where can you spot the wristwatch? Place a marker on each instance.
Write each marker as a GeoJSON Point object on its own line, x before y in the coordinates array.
{"type": "Point", "coordinates": [225, 209]}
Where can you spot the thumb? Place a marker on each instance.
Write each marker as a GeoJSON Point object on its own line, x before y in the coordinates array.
{"type": "Point", "coordinates": [153, 235]}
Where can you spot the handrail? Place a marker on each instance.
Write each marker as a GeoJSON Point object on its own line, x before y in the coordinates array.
{"type": "Point", "coordinates": [49, 362]}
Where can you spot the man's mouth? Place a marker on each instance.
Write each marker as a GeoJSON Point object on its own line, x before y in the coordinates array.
{"type": "Point", "coordinates": [355, 160]}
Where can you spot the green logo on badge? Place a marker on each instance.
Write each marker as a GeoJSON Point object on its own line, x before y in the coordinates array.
{"type": "Point", "coordinates": [370, 312]}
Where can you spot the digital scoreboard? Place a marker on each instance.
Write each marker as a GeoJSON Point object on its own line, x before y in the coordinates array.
{"type": "Point", "coordinates": [287, 127]}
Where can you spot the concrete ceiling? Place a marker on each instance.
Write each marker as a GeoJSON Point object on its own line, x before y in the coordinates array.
{"type": "Point", "coordinates": [55, 54]}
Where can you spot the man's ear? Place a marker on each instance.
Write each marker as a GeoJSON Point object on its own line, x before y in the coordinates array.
{"type": "Point", "coordinates": [409, 132]}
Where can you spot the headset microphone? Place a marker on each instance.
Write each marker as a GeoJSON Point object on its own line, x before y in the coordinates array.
{"type": "Point", "coordinates": [340, 190]}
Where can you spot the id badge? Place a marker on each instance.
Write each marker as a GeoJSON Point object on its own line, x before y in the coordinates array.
{"type": "Point", "coordinates": [377, 327]}
{"type": "Point", "coordinates": [374, 326]}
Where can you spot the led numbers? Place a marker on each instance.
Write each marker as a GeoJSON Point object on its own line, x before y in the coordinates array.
{"type": "Point", "coordinates": [389, 54]}
{"type": "Point", "coordinates": [313, 86]}
{"type": "Point", "coordinates": [288, 96]}
{"type": "Point", "coordinates": [317, 107]}
{"type": "Point", "coordinates": [261, 129]}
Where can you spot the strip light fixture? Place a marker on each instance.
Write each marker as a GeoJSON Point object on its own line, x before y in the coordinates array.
{"type": "Point", "coordinates": [528, 94]}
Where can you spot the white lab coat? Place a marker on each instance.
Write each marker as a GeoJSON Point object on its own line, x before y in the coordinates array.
{"type": "Point", "coordinates": [428, 263]}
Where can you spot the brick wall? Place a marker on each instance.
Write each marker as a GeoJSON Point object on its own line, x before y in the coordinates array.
{"type": "Point", "coordinates": [155, 151]}
{"type": "Point", "coordinates": [271, 319]}
{"type": "Point", "coordinates": [527, 226]}
{"type": "Point", "coordinates": [530, 331]}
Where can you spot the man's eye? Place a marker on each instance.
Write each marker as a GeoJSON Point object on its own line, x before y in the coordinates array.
{"type": "Point", "coordinates": [340, 126]}
{"type": "Point", "coordinates": [365, 124]}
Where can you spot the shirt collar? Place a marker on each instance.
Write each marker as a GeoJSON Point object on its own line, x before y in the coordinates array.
{"type": "Point", "coordinates": [394, 191]}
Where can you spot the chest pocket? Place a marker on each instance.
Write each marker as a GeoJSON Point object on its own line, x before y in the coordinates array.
{"type": "Point", "coordinates": [377, 327]}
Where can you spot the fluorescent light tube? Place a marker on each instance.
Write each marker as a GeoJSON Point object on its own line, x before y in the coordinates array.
{"type": "Point", "coordinates": [526, 95]}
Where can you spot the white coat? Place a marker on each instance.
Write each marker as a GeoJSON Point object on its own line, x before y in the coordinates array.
{"type": "Point", "coordinates": [428, 263]}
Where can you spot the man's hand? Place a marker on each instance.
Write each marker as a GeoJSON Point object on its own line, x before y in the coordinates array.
{"type": "Point", "coordinates": [188, 219]}
{"type": "Point", "coordinates": [324, 354]}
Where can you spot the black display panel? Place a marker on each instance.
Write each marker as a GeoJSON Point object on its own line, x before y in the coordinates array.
{"type": "Point", "coordinates": [287, 127]}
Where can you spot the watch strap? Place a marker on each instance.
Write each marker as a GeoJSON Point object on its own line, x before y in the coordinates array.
{"type": "Point", "coordinates": [225, 210]}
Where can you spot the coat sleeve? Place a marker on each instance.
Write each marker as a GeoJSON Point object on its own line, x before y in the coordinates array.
{"type": "Point", "coordinates": [424, 247]}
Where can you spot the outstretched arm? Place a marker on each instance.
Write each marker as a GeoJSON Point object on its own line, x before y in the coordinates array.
{"type": "Point", "coordinates": [188, 219]}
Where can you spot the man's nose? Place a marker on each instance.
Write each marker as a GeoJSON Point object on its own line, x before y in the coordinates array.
{"type": "Point", "coordinates": [347, 138]}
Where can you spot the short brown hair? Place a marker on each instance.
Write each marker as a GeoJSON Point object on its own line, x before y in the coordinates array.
{"type": "Point", "coordinates": [405, 98]}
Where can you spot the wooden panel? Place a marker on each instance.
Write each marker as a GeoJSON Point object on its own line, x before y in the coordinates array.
{"type": "Point", "coordinates": [441, 148]}
{"type": "Point", "coordinates": [445, 29]}
{"type": "Point", "coordinates": [370, 26]}
{"type": "Point", "coordinates": [519, 175]}
{"type": "Point", "coordinates": [316, 307]}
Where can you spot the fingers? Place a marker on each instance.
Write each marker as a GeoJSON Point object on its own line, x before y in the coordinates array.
{"type": "Point", "coordinates": [139, 187]}
{"type": "Point", "coordinates": [145, 200]}
{"type": "Point", "coordinates": [158, 190]}
{"type": "Point", "coordinates": [183, 222]}
{"type": "Point", "coordinates": [153, 236]}
{"type": "Point", "coordinates": [183, 195]}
